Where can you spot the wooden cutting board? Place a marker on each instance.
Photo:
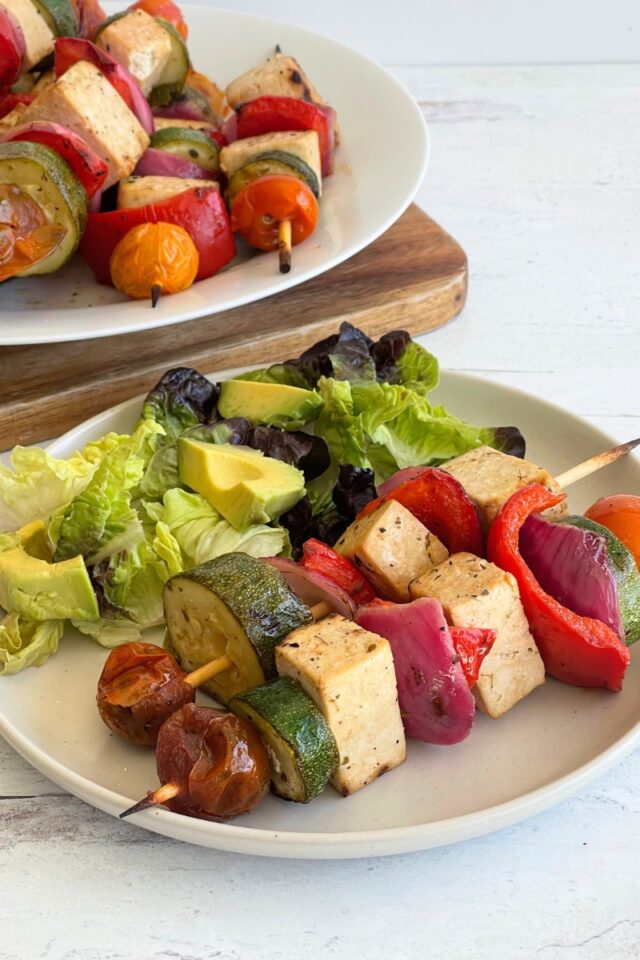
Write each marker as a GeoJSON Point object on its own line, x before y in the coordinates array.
{"type": "Point", "coordinates": [413, 278]}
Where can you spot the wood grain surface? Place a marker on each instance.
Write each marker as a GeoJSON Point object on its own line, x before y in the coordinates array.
{"type": "Point", "coordinates": [414, 277]}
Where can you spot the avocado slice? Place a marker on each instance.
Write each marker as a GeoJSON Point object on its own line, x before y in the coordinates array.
{"type": "Point", "coordinates": [242, 484]}
{"type": "Point", "coordinates": [37, 590]}
{"type": "Point", "coordinates": [275, 404]}
{"type": "Point", "coordinates": [624, 569]}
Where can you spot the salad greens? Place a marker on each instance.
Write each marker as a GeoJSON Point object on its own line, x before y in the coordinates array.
{"type": "Point", "coordinates": [120, 505]}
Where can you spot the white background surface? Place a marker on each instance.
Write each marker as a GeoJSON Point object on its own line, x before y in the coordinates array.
{"type": "Point", "coordinates": [535, 170]}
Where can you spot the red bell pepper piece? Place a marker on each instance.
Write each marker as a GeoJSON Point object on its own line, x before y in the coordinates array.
{"type": "Point", "coordinates": [472, 645]}
{"type": "Point", "coordinates": [273, 114]}
{"type": "Point", "coordinates": [90, 169]}
{"type": "Point", "coordinates": [200, 211]}
{"type": "Point", "coordinates": [11, 100]}
{"type": "Point", "coordinates": [10, 56]}
{"type": "Point", "coordinates": [575, 649]}
{"type": "Point", "coordinates": [323, 559]}
{"type": "Point", "coordinates": [438, 501]}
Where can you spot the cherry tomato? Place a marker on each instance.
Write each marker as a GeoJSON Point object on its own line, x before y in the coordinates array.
{"type": "Point", "coordinates": [212, 93]}
{"type": "Point", "coordinates": [258, 210]}
{"type": "Point", "coordinates": [166, 10]}
{"type": "Point", "coordinates": [154, 255]}
{"type": "Point", "coordinates": [620, 514]}
{"type": "Point", "coordinates": [139, 687]}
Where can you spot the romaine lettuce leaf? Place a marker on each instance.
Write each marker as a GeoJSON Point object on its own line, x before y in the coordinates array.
{"type": "Point", "coordinates": [101, 521]}
{"type": "Point", "coordinates": [37, 484]}
{"type": "Point", "coordinates": [24, 643]}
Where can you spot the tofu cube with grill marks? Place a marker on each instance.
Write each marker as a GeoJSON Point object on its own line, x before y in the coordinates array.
{"type": "Point", "coordinates": [477, 593]}
{"type": "Point", "coordinates": [140, 191]}
{"type": "Point", "coordinates": [39, 39]}
{"type": "Point", "coordinates": [140, 44]}
{"type": "Point", "coordinates": [303, 144]}
{"type": "Point", "coordinates": [391, 548]}
{"type": "Point", "coordinates": [83, 100]}
{"type": "Point", "coordinates": [349, 673]}
{"type": "Point", "coordinates": [280, 76]}
{"type": "Point", "coordinates": [491, 477]}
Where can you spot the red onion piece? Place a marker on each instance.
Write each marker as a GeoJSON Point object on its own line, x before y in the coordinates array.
{"type": "Point", "coordinates": [18, 35]}
{"type": "Point", "coordinates": [571, 565]}
{"type": "Point", "coordinates": [399, 477]}
{"type": "Point", "coordinates": [160, 163]}
{"type": "Point", "coordinates": [435, 701]}
{"type": "Point", "coordinates": [313, 587]}
{"type": "Point", "coordinates": [181, 110]}
{"type": "Point", "coordinates": [141, 106]}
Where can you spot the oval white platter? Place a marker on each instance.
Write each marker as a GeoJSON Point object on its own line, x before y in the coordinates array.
{"type": "Point", "coordinates": [544, 750]}
{"type": "Point", "coordinates": [379, 167]}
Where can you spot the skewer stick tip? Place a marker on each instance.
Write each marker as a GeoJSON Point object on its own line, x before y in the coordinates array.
{"type": "Point", "coordinates": [156, 291]}
{"type": "Point", "coordinates": [600, 460]}
{"type": "Point", "coordinates": [161, 795]}
{"type": "Point", "coordinates": [284, 245]}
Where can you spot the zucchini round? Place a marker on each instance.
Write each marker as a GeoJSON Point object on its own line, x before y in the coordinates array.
{"type": "Point", "coordinates": [192, 145]}
{"type": "Point", "coordinates": [50, 181]}
{"type": "Point", "coordinates": [272, 162]}
{"type": "Point", "coordinates": [60, 16]}
{"type": "Point", "coordinates": [174, 75]}
{"type": "Point", "coordinates": [234, 605]}
{"type": "Point", "coordinates": [302, 750]}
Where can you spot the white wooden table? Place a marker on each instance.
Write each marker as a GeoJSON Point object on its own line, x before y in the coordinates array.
{"type": "Point", "coordinates": [535, 170]}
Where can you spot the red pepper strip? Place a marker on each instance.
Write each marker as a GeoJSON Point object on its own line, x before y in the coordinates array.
{"type": "Point", "coordinates": [200, 211]}
{"type": "Point", "coordinates": [472, 644]}
{"type": "Point", "coordinates": [89, 168]}
{"type": "Point", "coordinates": [11, 100]}
{"type": "Point", "coordinates": [438, 501]}
{"type": "Point", "coordinates": [323, 559]}
{"type": "Point", "coordinates": [575, 649]}
{"type": "Point", "coordinates": [10, 58]}
{"type": "Point", "coordinates": [273, 114]}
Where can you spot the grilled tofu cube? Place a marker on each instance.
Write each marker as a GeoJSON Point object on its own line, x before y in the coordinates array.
{"type": "Point", "coordinates": [476, 593]}
{"type": "Point", "coordinates": [83, 100]}
{"type": "Point", "coordinates": [491, 477]}
{"type": "Point", "coordinates": [280, 76]}
{"type": "Point", "coordinates": [301, 143]}
{"type": "Point", "coordinates": [141, 191]}
{"type": "Point", "coordinates": [139, 43]}
{"type": "Point", "coordinates": [38, 37]}
{"type": "Point", "coordinates": [391, 548]}
{"type": "Point", "coordinates": [349, 673]}
{"type": "Point", "coordinates": [14, 117]}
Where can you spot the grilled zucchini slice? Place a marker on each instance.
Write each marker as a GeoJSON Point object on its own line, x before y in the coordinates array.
{"type": "Point", "coordinates": [175, 73]}
{"type": "Point", "coordinates": [192, 145]}
{"type": "Point", "coordinates": [234, 605]}
{"type": "Point", "coordinates": [302, 750]}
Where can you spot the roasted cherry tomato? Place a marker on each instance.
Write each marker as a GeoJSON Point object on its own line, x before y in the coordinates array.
{"type": "Point", "coordinates": [323, 559]}
{"type": "Point", "coordinates": [216, 759]}
{"type": "Point", "coordinates": [212, 93]}
{"type": "Point", "coordinates": [258, 210]}
{"type": "Point", "coordinates": [90, 169]}
{"type": "Point", "coordinates": [166, 10]}
{"type": "Point", "coordinates": [620, 513]}
{"type": "Point", "coordinates": [154, 257]}
{"type": "Point", "coordinates": [10, 56]}
{"type": "Point", "coordinates": [139, 687]}
{"type": "Point", "coordinates": [25, 235]}
{"type": "Point", "coordinates": [272, 114]}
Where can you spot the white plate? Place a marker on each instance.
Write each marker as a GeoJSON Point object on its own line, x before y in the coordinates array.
{"type": "Point", "coordinates": [379, 167]}
{"type": "Point", "coordinates": [547, 748]}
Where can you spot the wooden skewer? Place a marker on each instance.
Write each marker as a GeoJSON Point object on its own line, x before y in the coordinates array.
{"type": "Point", "coordinates": [156, 291]}
{"type": "Point", "coordinates": [590, 466]}
{"type": "Point", "coordinates": [166, 792]}
{"type": "Point", "coordinates": [284, 245]}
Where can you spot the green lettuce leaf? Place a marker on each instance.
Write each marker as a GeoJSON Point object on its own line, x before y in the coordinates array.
{"type": "Point", "coordinates": [37, 484]}
{"type": "Point", "coordinates": [24, 643]}
{"type": "Point", "coordinates": [417, 369]}
{"type": "Point", "coordinates": [101, 521]}
{"type": "Point", "coordinates": [203, 534]}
